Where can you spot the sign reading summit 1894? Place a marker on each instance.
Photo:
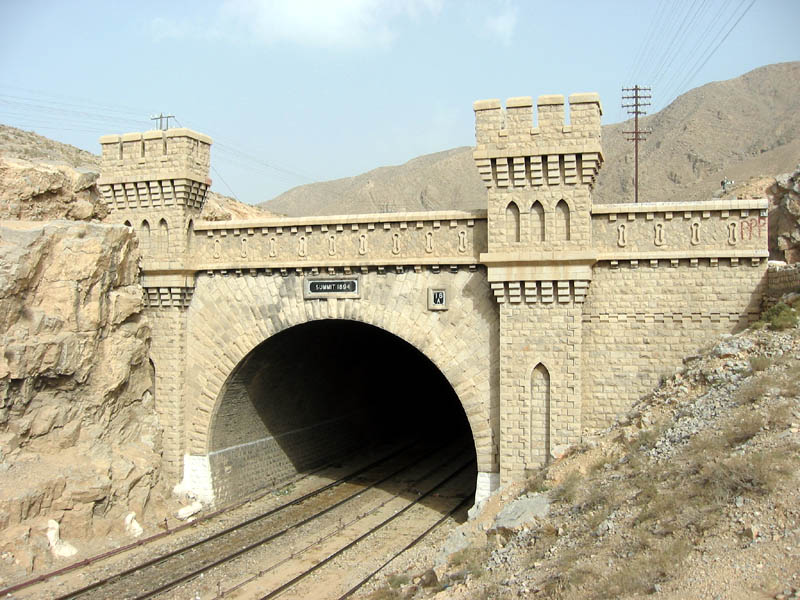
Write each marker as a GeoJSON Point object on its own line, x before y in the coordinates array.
{"type": "Point", "coordinates": [343, 287]}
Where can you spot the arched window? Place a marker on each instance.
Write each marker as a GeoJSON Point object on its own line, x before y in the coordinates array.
{"type": "Point", "coordinates": [190, 235]}
{"type": "Point", "coordinates": [562, 221]}
{"type": "Point", "coordinates": [512, 222]}
{"type": "Point", "coordinates": [127, 224]}
{"type": "Point", "coordinates": [537, 222]}
{"type": "Point", "coordinates": [163, 237]}
{"type": "Point", "coordinates": [144, 237]}
{"type": "Point", "coordinates": [540, 414]}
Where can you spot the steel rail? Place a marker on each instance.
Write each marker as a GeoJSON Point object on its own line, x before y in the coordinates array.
{"type": "Point", "coordinates": [360, 538]}
{"type": "Point", "coordinates": [413, 543]}
{"type": "Point", "coordinates": [336, 531]}
{"type": "Point", "coordinates": [168, 555]}
{"type": "Point", "coordinates": [235, 528]}
{"type": "Point", "coordinates": [155, 537]}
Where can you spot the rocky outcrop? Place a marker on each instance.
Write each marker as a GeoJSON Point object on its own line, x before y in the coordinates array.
{"type": "Point", "coordinates": [80, 442]}
{"type": "Point", "coordinates": [40, 191]}
{"type": "Point", "coordinates": [784, 217]}
{"type": "Point", "coordinates": [224, 208]}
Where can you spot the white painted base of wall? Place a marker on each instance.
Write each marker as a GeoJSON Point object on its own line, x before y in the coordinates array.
{"type": "Point", "coordinates": [196, 479]}
{"type": "Point", "coordinates": [485, 485]}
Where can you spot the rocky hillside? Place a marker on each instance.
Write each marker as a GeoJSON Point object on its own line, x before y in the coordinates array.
{"type": "Point", "coordinates": [440, 181]}
{"type": "Point", "coordinates": [79, 439]}
{"type": "Point", "coordinates": [694, 493]}
{"type": "Point", "coordinates": [784, 217]}
{"type": "Point", "coordinates": [740, 128]}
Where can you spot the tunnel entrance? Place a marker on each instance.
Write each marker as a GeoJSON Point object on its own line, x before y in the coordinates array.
{"type": "Point", "coordinates": [320, 392]}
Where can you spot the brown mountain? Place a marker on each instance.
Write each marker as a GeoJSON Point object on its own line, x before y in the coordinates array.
{"type": "Point", "coordinates": [739, 128]}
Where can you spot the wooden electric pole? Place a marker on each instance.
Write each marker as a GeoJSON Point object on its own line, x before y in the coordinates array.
{"type": "Point", "coordinates": [639, 96]}
{"type": "Point", "coordinates": [162, 118]}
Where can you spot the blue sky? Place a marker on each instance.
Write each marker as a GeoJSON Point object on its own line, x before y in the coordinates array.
{"type": "Point", "coordinates": [295, 91]}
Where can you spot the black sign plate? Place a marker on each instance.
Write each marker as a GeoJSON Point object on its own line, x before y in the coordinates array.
{"type": "Point", "coordinates": [333, 286]}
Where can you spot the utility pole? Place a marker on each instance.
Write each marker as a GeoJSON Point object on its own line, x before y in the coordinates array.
{"type": "Point", "coordinates": [638, 95]}
{"type": "Point", "coordinates": [161, 117]}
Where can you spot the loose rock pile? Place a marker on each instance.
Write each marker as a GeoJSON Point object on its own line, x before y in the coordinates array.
{"type": "Point", "coordinates": [692, 494]}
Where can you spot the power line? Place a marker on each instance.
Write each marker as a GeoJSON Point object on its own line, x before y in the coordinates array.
{"type": "Point", "coordinates": [665, 56]}
{"type": "Point", "coordinates": [639, 97]}
{"type": "Point", "coordinates": [689, 78]}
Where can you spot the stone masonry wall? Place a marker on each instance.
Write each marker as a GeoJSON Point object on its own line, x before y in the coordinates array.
{"type": "Point", "coordinates": [167, 352]}
{"type": "Point", "coordinates": [639, 321]}
{"type": "Point", "coordinates": [149, 156]}
{"type": "Point", "coordinates": [783, 279]}
{"type": "Point", "coordinates": [230, 316]}
{"type": "Point", "coordinates": [242, 469]}
{"type": "Point", "coordinates": [540, 371]}
{"type": "Point", "coordinates": [453, 237]}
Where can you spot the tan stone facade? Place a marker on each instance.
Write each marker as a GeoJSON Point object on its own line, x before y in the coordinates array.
{"type": "Point", "coordinates": [558, 314]}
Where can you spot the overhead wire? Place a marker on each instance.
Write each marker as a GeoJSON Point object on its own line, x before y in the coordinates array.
{"type": "Point", "coordinates": [681, 40]}
{"type": "Point", "coordinates": [681, 44]}
{"type": "Point", "coordinates": [694, 51]}
{"type": "Point", "coordinates": [672, 47]}
{"type": "Point", "coordinates": [669, 30]}
{"type": "Point", "coordinates": [689, 78]}
{"type": "Point", "coordinates": [41, 110]}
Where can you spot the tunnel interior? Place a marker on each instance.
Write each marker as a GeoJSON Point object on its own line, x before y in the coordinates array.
{"type": "Point", "coordinates": [324, 391]}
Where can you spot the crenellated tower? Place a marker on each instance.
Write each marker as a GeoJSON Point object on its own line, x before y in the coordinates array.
{"type": "Point", "coordinates": [156, 182]}
{"type": "Point", "coordinates": [539, 263]}
{"type": "Point", "coordinates": [539, 177]}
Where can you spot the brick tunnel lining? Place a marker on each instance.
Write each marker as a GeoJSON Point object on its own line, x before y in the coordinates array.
{"type": "Point", "coordinates": [318, 391]}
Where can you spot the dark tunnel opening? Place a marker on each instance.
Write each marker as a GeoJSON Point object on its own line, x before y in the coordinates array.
{"type": "Point", "coordinates": [325, 390]}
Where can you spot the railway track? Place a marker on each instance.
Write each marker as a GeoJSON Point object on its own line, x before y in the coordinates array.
{"type": "Point", "coordinates": [368, 493]}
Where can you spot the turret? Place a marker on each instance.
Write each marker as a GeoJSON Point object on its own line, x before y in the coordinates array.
{"type": "Point", "coordinates": [156, 182]}
{"type": "Point", "coordinates": [539, 177]}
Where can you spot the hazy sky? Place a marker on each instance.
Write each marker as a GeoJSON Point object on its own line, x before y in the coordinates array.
{"type": "Point", "coordinates": [295, 91]}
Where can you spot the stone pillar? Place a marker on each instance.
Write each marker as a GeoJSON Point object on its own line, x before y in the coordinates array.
{"type": "Point", "coordinates": [156, 183]}
{"type": "Point", "coordinates": [539, 262]}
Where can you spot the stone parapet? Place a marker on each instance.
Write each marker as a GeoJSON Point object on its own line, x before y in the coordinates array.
{"type": "Point", "coordinates": [155, 155]}
{"type": "Point", "coordinates": [654, 231]}
{"type": "Point", "coordinates": [397, 239]}
{"type": "Point", "coordinates": [782, 279]}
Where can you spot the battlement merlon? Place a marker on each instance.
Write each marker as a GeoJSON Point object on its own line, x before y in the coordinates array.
{"type": "Point", "coordinates": [177, 153]}
{"type": "Point", "coordinates": [510, 132]}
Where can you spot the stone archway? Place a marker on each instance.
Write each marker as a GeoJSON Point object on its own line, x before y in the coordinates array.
{"type": "Point", "coordinates": [231, 316]}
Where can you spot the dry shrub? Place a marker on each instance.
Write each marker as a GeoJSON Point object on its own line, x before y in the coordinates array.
{"type": "Point", "coordinates": [395, 580]}
{"type": "Point", "coordinates": [385, 593]}
{"type": "Point", "coordinates": [600, 463]}
{"type": "Point", "coordinates": [639, 574]}
{"type": "Point", "coordinates": [704, 443]}
{"type": "Point", "coordinates": [759, 363]}
{"type": "Point", "coordinates": [568, 488]}
{"type": "Point", "coordinates": [662, 506]}
{"type": "Point", "coordinates": [753, 390]}
{"type": "Point", "coordinates": [470, 560]}
{"type": "Point", "coordinates": [789, 383]}
{"type": "Point", "coordinates": [753, 473]}
{"type": "Point", "coordinates": [743, 426]}
{"type": "Point", "coordinates": [781, 414]}
{"type": "Point", "coordinates": [535, 481]}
